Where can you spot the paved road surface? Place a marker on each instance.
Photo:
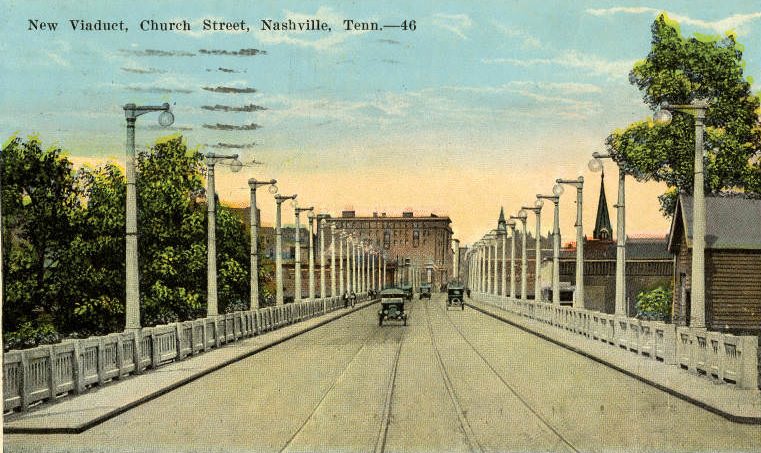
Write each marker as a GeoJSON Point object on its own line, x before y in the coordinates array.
{"type": "Point", "coordinates": [453, 380]}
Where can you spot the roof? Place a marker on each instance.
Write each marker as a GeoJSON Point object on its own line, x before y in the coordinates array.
{"type": "Point", "coordinates": [732, 222]}
{"type": "Point", "coordinates": [392, 292]}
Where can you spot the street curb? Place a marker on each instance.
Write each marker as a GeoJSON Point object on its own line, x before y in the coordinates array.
{"type": "Point", "coordinates": [120, 410]}
{"type": "Point", "coordinates": [701, 404]}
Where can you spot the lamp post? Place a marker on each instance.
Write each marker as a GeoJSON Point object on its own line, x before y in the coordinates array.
{"type": "Point", "coordinates": [279, 199]}
{"type": "Point", "coordinates": [297, 259]}
{"type": "Point", "coordinates": [537, 208]}
{"type": "Point", "coordinates": [322, 224]}
{"type": "Point", "coordinates": [311, 255]}
{"type": "Point", "coordinates": [524, 258]}
{"type": "Point", "coordinates": [132, 284]}
{"type": "Point", "coordinates": [211, 219]}
{"type": "Point", "coordinates": [333, 260]}
{"type": "Point", "coordinates": [253, 184]}
{"type": "Point", "coordinates": [341, 240]}
{"type": "Point", "coordinates": [511, 225]}
{"type": "Point", "coordinates": [697, 108]}
{"type": "Point", "coordinates": [579, 185]}
{"type": "Point", "coordinates": [596, 165]}
{"type": "Point", "coordinates": [456, 260]}
{"type": "Point", "coordinates": [555, 199]}
{"type": "Point", "coordinates": [487, 271]}
{"type": "Point", "coordinates": [495, 244]}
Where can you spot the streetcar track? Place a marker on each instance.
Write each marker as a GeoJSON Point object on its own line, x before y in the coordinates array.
{"type": "Point", "coordinates": [330, 389]}
{"type": "Point", "coordinates": [470, 435]}
{"type": "Point", "coordinates": [544, 421]}
{"type": "Point", "coordinates": [380, 443]}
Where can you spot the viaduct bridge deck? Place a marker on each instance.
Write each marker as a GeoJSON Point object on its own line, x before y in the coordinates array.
{"type": "Point", "coordinates": [448, 381]}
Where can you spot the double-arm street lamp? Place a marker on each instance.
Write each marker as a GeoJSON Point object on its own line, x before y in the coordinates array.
{"type": "Point", "coordinates": [579, 185]}
{"type": "Point", "coordinates": [253, 184]}
{"type": "Point", "coordinates": [511, 225]}
{"type": "Point", "coordinates": [555, 199]}
{"type": "Point", "coordinates": [537, 209]}
{"type": "Point", "coordinates": [211, 220]}
{"type": "Point", "coordinates": [522, 215]}
{"type": "Point", "coordinates": [596, 165]}
{"type": "Point", "coordinates": [332, 259]}
{"type": "Point", "coordinates": [279, 199]}
{"type": "Point", "coordinates": [132, 303]}
{"type": "Point", "coordinates": [697, 108]}
{"type": "Point", "coordinates": [297, 258]}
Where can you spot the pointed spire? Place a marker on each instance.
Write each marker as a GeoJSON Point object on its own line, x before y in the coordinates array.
{"type": "Point", "coordinates": [603, 229]}
{"type": "Point", "coordinates": [501, 223]}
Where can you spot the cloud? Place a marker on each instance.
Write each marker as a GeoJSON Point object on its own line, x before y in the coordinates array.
{"type": "Point", "coordinates": [228, 70]}
{"type": "Point", "coordinates": [157, 53]}
{"type": "Point", "coordinates": [456, 23]}
{"type": "Point", "coordinates": [232, 127]}
{"type": "Point", "coordinates": [518, 85]}
{"type": "Point", "coordinates": [232, 145]}
{"type": "Point", "coordinates": [576, 60]}
{"type": "Point", "coordinates": [735, 22]}
{"type": "Point", "coordinates": [236, 53]}
{"type": "Point", "coordinates": [170, 128]}
{"type": "Point", "coordinates": [220, 89]}
{"type": "Point", "coordinates": [529, 41]}
{"type": "Point", "coordinates": [137, 70]}
{"type": "Point", "coordinates": [227, 108]}
{"type": "Point", "coordinates": [156, 89]}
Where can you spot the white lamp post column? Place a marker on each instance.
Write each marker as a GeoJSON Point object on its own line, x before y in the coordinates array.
{"type": "Point", "coordinates": [579, 185]}
{"type": "Point", "coordinates": [132, 284]}
{"type": "Point", "coordinates": [279, 199]}
{"type": "Point", "coordinates": [253, 184]}
{"type": "Point", "coordinates": [555, 242]}
{"type": "Point", "coordinates": [333, 260]}
{"type": "Point", "coordinates": [537, 208]}
{"type": "Point", "coordinates": [311, 256]}
{"type": "Point", "coordinates": [322, 225]}
{"type": "Point", "coordinates": [524, 258]}
{"type": "Point", "coordinates": [211, 236]}
{"type": "Point", "coordinates": [621, 307]}
{"type": "Point", "coordinates": [297, 261]}
{"type": "Point", "coordinates": [697, 108]}
{"type": "Point", "coordinates": [511, 225]}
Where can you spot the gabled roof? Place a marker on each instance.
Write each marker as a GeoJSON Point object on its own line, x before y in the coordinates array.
{"type": "Point", "coordinates": [732, 222]}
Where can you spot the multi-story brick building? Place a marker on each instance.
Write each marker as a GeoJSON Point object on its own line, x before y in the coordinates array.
{"type": "Point", "coordinates": [417, 249]}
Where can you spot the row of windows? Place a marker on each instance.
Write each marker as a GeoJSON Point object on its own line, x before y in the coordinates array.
{"type": "Point", "coordinates": [383, 225]}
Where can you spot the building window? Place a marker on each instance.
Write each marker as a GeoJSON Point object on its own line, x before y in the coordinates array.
{"type": "Point", "coordinates": [415, 238]}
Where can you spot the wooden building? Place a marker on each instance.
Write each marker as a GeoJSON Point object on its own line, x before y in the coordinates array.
{"type": "Point", "coordinates": [732, 262]}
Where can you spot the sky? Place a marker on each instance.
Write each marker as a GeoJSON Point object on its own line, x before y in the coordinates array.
{"type": "Point", "coordinates": [482, 106]}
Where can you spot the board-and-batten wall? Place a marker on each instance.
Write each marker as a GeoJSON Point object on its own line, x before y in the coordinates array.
{"type": "Point", "coordinates": [733, 289]}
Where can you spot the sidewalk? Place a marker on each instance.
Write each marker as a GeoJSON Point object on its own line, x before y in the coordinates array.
{"type": "Point", "coordinates": [78, 413]}
{"type": "Point", "coordinates": [742, 406]}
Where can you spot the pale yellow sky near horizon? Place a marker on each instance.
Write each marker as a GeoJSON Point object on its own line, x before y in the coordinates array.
{"type": "Point", "coordinates": [470, 195]}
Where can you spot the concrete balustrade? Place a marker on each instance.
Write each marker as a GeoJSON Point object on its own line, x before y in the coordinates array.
{"type": "Point", "coordinates": [724, 357]}
{"type": "Point", "coordinates": [73, 366]}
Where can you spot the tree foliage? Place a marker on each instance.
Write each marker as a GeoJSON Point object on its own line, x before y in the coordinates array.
{"type": "Point", "coordinates": [655, 304]}
{"type": "Point", "coordinates": [64, 244]}
{"type": "Point", "coordinates": [679, 70]}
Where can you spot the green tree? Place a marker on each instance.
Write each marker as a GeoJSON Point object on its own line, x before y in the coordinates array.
{"type": "Point", "coordinates": [655, 304]}
{"type": "Point", "coordinates": [94, 274]}
{"type": "Point", "coordinates": [679, 70]}
{"type": "Point", "coordinates": [41, 204]}
{"type": "Point", "coordinates": [172, 226]}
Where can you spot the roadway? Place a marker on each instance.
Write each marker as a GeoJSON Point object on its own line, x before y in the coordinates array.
{"type": "Point", "coordinates": [449, 381]}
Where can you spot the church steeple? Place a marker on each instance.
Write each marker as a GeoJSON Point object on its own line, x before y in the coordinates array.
{"type": "Point", "coordinates": [501, 223]}
{"type": "Point", "coordinates": [603, 229]}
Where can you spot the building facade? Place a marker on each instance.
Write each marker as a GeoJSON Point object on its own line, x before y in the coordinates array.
{"type": "Point", "coordinates": [417, 249]}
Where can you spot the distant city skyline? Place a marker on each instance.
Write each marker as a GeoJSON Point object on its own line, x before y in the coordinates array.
{"type": "Point", "coordinates": [483, 105]}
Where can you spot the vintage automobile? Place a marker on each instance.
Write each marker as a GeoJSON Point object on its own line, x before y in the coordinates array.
{"type": "Point", "coordinates": [407, 291]}
{"type": "Point", "coordinates": [455, 296]}
{"type": "Point", "coordinates": [392, 306]}
{"type": "Point", "coordinates": [425, 290]}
